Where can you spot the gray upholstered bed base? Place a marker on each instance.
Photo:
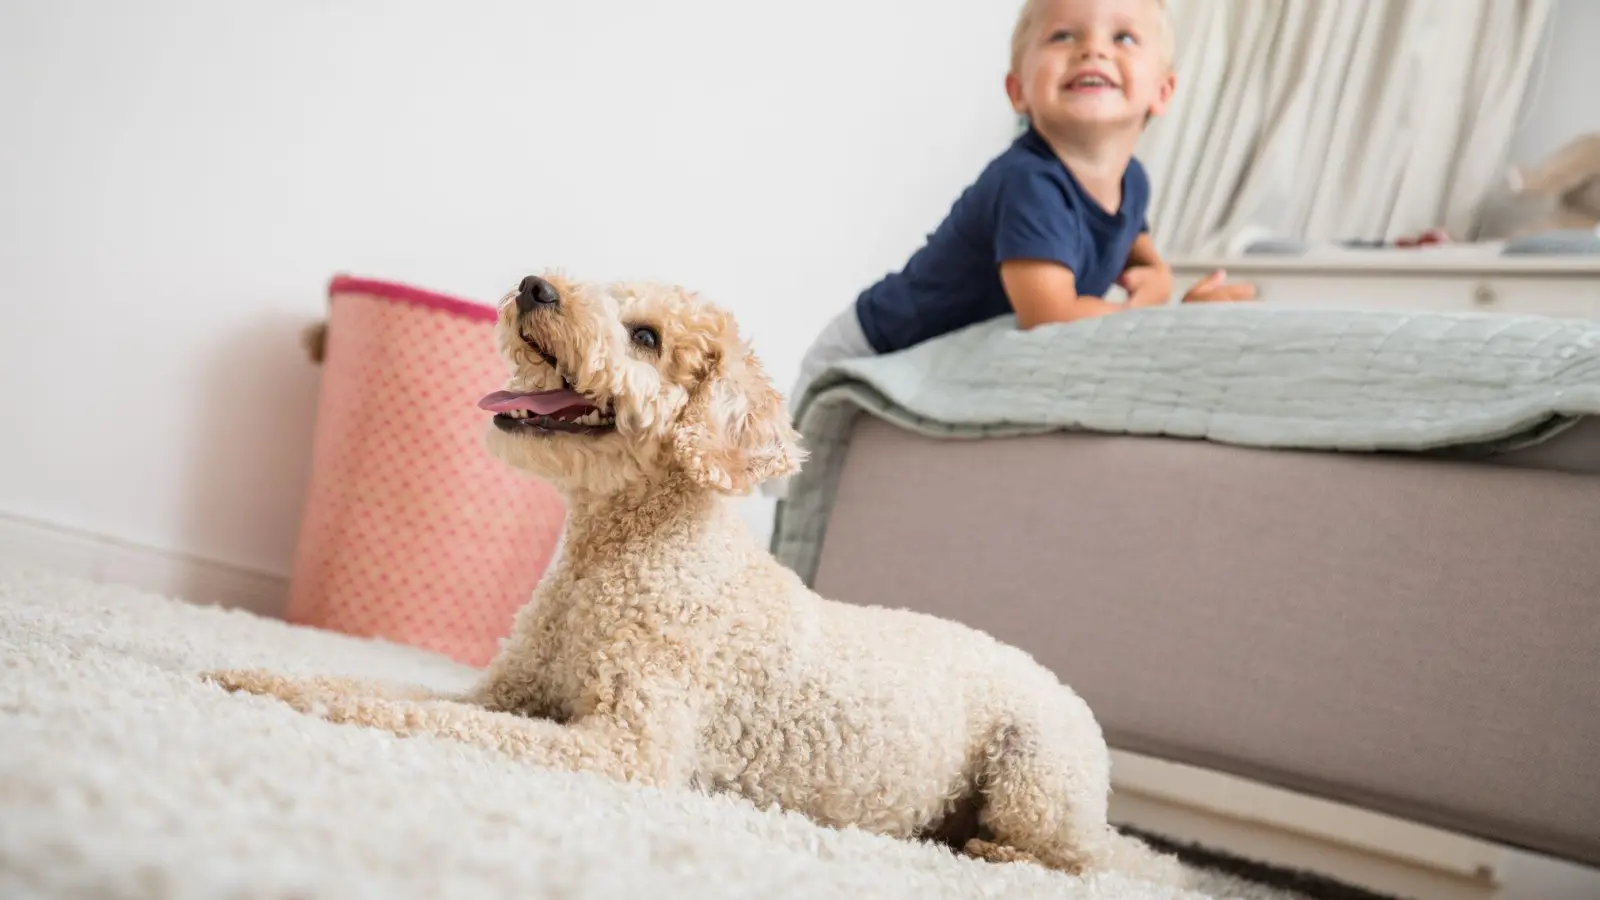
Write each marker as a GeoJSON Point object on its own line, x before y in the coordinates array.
{"type": "Point", "coordinates": [1415, 636]}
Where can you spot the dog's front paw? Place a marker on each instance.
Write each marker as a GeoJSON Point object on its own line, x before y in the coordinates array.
{"type": "Point", "coordinates": [250, 681]}
{"type": "Point", "coordinates": [298, 694]}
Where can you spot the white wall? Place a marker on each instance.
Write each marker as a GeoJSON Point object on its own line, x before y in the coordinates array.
{"type": "Point", "coordinates": [181, 178]}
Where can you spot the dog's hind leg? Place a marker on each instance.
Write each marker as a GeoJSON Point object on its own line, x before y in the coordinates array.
{"type": "Point", "coordinates": [1043, 802]}
{"type": "Point", "coordinates": [1046, 794]}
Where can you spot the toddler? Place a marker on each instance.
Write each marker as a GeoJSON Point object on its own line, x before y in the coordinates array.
{"type": "Point", "coordinates": [1059, 217]}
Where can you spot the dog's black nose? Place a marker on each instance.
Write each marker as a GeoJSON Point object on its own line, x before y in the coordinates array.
{"type": "Point", "coordinates": [535, 292]}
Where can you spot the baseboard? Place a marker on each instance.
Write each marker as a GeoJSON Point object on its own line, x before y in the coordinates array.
{"type": "Point", "coordinates": [110, 560]}
{"type": "Point", "coordinates": [1357, 846]}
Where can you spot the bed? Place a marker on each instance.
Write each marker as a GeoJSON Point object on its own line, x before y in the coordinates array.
{"type": "Point", "coordinates": [1411, 627]}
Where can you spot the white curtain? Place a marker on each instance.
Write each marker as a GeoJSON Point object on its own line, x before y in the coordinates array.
{"type": "Point", "coordinates": [1338, 119]}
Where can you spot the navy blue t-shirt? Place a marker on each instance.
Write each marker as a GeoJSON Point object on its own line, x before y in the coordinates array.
{"type": "Point", "coordinates": [1025, 205]}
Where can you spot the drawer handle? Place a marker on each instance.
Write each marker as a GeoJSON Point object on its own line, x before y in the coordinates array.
{"type": "Point", "coordinates": [1483, 295]}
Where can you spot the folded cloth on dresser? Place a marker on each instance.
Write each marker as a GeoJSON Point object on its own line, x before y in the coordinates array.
{"type": "Point", "coordinates": [1470, 384]}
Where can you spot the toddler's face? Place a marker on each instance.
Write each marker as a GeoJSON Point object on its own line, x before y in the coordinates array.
{"type": "Point", "coordinates": [1093, 63]}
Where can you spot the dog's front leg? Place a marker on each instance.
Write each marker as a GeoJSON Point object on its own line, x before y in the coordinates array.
{"type": "Point", "coordinates": [656, 750]}
{"type": "Point", "coordinates": [291, 688]}
{"type": "Point", "coordinates": [653, 744]}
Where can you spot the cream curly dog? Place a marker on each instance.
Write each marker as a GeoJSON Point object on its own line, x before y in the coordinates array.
{"type": "Point", "coordinates": [667, 647]}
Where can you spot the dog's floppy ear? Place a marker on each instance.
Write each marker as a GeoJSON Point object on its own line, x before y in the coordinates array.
{"type": "Point", "coordinates": [735, 431]}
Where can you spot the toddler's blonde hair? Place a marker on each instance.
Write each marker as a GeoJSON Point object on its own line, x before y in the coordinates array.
{"type": "Point", "coordinates": [1029, 14]}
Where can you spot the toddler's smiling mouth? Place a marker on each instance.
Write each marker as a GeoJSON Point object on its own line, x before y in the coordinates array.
{"type": "Point", "coordinates": [1090, 81]}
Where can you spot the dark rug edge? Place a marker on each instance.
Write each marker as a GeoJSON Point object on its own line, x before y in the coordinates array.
{"type": "Point", "coordinates": [1311, 884]}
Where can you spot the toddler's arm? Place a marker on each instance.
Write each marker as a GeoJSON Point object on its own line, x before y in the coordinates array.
{"type": "Point", "coordinates": [1042, 292]}
{"type": "Point", "coordinates": [1147, 278]}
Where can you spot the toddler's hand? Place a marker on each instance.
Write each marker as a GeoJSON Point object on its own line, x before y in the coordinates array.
{"type": "Point", "coordinates": [1147, 285]}
{"type": "Point", "coordinates": [1214, 288]}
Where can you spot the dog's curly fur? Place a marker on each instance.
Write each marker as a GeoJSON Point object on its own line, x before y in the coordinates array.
{"type": "Point", "coordinates": [667, 647]}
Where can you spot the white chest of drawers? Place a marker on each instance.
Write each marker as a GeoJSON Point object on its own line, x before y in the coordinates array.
{"type": "Point", "coordinates": [1420, 280]}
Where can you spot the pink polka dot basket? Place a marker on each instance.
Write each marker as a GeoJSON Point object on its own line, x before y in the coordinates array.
{"type": "Point", "coordinates": [411, 531]}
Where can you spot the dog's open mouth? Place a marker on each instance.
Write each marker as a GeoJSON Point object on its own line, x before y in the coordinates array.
{"type": "Point", "coordinates": [544, 412]}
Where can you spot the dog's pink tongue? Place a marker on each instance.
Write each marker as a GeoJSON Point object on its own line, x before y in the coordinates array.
{"type": "Point", "coordinates": [539, 402]}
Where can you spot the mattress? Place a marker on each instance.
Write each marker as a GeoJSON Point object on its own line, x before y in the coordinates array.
{"type": "Point", "coordinates": [1416, 636]}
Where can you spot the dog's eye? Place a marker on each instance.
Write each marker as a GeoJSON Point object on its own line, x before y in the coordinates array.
{"type": "Point", "coordinates": [647, 337]}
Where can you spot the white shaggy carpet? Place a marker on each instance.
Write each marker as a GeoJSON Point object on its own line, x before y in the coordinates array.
{"type": "Point", "coordinates": [122, 775]}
